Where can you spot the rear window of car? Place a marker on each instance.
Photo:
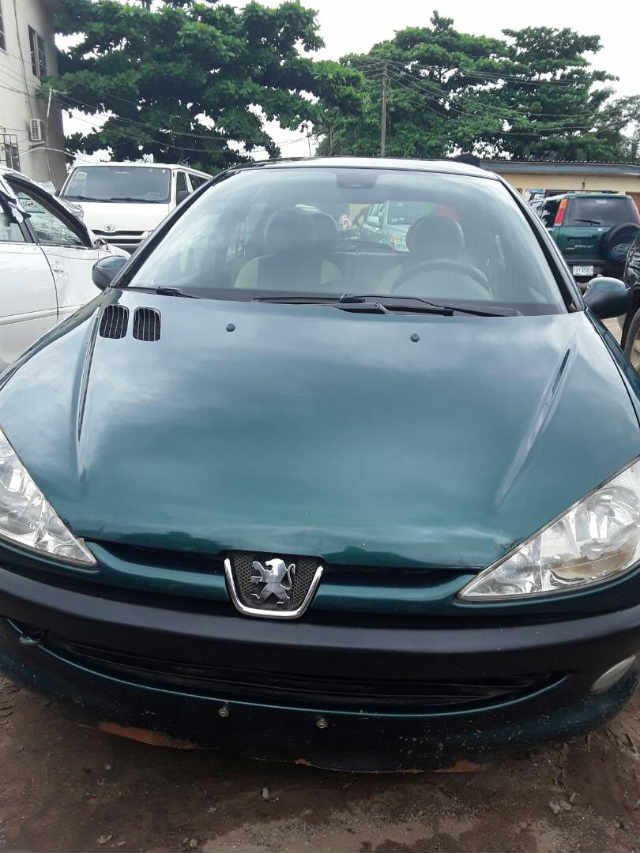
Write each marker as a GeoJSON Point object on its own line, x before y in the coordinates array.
{"type": "Point", "coordinates": [615, 210]}
{"type": "Point", "coordinates": [318, 230]}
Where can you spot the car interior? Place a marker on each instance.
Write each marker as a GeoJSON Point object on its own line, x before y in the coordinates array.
{"type": "Point", "coordinates": [319, 245]}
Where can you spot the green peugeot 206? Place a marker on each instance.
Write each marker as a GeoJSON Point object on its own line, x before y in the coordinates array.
{"type": "Point", "coordinates": [293, 493]}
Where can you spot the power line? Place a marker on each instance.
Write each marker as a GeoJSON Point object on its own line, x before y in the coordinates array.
{"type": "Point", "coordinates": [401, 68]}
{"type": "Point", "coordinates": [413, 85]}
{"type": "Point", "coordinates": [538, 130]}
{"type": "Point", "coordinates": [482, 75]}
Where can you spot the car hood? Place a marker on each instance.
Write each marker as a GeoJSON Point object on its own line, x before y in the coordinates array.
{"type": "Point", "coordinates": [115, 216]}
{"type": "Point", "coordinates": [310, 430]}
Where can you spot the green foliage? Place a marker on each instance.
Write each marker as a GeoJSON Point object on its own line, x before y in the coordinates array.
{"type": "Point", "coordinates": [183, 79]}
{"type": "Point", "coordinates": [531, 94]}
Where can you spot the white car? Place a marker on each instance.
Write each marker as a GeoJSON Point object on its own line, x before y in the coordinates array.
{"type": "Point", "coordinates": [46, 256]}
{"type": "Point", "coordinates": [124, 202]}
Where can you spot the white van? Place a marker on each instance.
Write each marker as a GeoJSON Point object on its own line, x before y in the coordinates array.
{"type": "Point", "coordinates": [123, 202]}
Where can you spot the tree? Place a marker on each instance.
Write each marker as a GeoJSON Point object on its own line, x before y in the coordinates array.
{"type": "Point", "coordinates": [194, 81]}
{"type": "Point", "coordinates": [531, 94]}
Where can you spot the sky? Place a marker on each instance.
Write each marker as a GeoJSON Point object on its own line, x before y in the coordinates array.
{"type": "Point", "coordinates": [354, 26]}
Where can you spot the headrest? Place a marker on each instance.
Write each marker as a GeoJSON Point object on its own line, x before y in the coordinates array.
{"type": "Point", "coordinates": [325, 230]}
{"type": "Point", "coordinates": [288, 230]}
{"type": "Point", "coordinates": [435, 237]}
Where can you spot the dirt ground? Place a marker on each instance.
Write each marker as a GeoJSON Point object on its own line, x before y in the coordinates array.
{"type": "Point", "coordinates": [67, 787]}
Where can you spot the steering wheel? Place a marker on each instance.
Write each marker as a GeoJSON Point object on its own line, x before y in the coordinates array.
{"type": "Point", "coordinates": [479, 278]}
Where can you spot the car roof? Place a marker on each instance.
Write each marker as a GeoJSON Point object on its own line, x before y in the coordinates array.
{"type": "Point", "coordinates": [141, 166]}
{"type": "Point", "coordinates": [453, 167]}
{"type": "Point", "coordinates": [586, 194]}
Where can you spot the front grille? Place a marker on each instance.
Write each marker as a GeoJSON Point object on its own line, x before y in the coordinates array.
{"type": "Point", "coordinates": [114, 320]}
{"type": "Point", "coordinates": [146, 324]}
{"type": "Point", "coordinates": [358, 692]}
{"type": "Point", "coordinates": [127, 240]}
{"type": "Point", "coordinates": [118, 235]}
{"type": "Point", "coordinates": [302, 571]}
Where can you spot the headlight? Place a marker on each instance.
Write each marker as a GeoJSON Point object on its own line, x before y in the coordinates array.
{"type": "Point", "coordinates": [26, 517]}
{"type": "Point", "coordinates": [595, 540]}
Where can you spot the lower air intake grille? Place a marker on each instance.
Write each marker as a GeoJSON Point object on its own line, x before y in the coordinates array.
{"type": "Point", "coordinates": [146, 324]}
{"type": "Point", "coordinates": [359, 691]}
{"type": "Point", "coordinates": [113, 323]}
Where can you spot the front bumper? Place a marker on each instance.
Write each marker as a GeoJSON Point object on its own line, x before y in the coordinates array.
{"type": "Point", "coordinates": [49, 624]}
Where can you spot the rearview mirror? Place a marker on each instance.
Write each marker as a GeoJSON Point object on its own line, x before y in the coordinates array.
{"type": "Point", "coordinates": [106, 269]}
{"type": "Point", "coordinates": [607, 297]}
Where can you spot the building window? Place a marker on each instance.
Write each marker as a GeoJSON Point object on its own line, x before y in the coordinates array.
{"type": "Point", "coordinates": [9, 153]}
{"type": "Point", "coordinates": [38, 54]}
{"type": "Point", "coordinates": [3, 41]}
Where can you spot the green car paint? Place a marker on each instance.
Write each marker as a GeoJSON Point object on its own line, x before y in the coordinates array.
{"type": "Point", "coordinates": [430, 454]}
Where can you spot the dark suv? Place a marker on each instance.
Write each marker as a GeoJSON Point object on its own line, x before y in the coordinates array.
{"type": "Point", "coordinates": [593, 231]}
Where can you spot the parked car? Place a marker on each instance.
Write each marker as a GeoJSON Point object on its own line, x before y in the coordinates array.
{"type": "Point", "coordinates": [124, 202]}
{"type": "Point", "coordinates": [389, 222]}
{"type": "Point", "coordinates": [593, 230]}
{"type": "Point", "coordinates": [46, 257]}
{"type": "Point", "coordinates": [306, 497]}
{"type": "Point", "coordinates": [631, 322]}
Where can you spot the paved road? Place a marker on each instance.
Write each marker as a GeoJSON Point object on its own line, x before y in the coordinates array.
{"type": "Point", "coordinates": [67, 787]}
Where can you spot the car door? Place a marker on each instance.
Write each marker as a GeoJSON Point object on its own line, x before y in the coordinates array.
{"type": "Point", "coordinates": [28, 305]}
{"type": "Point", "coordinates": [196, 181]}
{"type": "Point", "coordinates": [65, 242]}
{"type": "Point", "coordinates": [548, 212]}
{"type": "Point", "coordinates": [183, 188]}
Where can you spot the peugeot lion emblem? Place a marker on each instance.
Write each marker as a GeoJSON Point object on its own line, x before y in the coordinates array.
{"type": "Point", "coordinates": [270, 585]}
{"type": "Point", "coordinates": [275, 577]}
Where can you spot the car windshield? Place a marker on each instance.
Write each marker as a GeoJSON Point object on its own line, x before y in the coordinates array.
{"type": "Point", "coordinates": [321, 231]}
{"type": "Point", "coordinates": [606, 211]}
{"type": "Point", "coordinates": [119, 184]}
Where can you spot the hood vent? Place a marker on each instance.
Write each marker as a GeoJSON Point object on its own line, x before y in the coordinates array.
{"type": "Point", "coordinates": [114, 321]}
{"type": "Point", "coordinates": [146, 324]}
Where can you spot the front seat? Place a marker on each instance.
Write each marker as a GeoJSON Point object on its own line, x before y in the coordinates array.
{"type": "Point", "coordinates": [432, 239]}
{"type": "Point", "coordinates": [298, 245]}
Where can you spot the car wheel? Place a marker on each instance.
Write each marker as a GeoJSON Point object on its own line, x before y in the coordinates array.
{"type": "Point", "coordinates": [632, 342]}
{"type": "Point", "coordinates": [617, 242]}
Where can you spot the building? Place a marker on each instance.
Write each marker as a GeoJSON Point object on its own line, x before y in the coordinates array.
{"type": "Point", "coordinates": [535, 178]}
{"type": "Point", "coordinates": [31, 136]}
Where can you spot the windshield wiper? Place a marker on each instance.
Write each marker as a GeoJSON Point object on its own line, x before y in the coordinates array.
{"type": "Point", "coordinates": [382, 303]}
{"type": "Point", "coordinates": [590, 221]}
{"type": "Point", "coordinates": [358, 307]}
{"type": "Point", "coordinates": [422, 306]}
{"type": "Point", "coordinates": [165, 291]}
{"type": "Point", "coordinates": [127, 198]}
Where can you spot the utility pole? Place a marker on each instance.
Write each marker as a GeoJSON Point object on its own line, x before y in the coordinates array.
{"type": "Point", "coordinates": [383, 113]}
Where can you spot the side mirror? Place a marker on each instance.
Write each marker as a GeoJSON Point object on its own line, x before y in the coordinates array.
{"type": "Point", "coordinates": [181, 195]}
{"type": "Point", "coordinates": [607, 297]}
{"type": "Point", "coordinates": [106, 269]}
